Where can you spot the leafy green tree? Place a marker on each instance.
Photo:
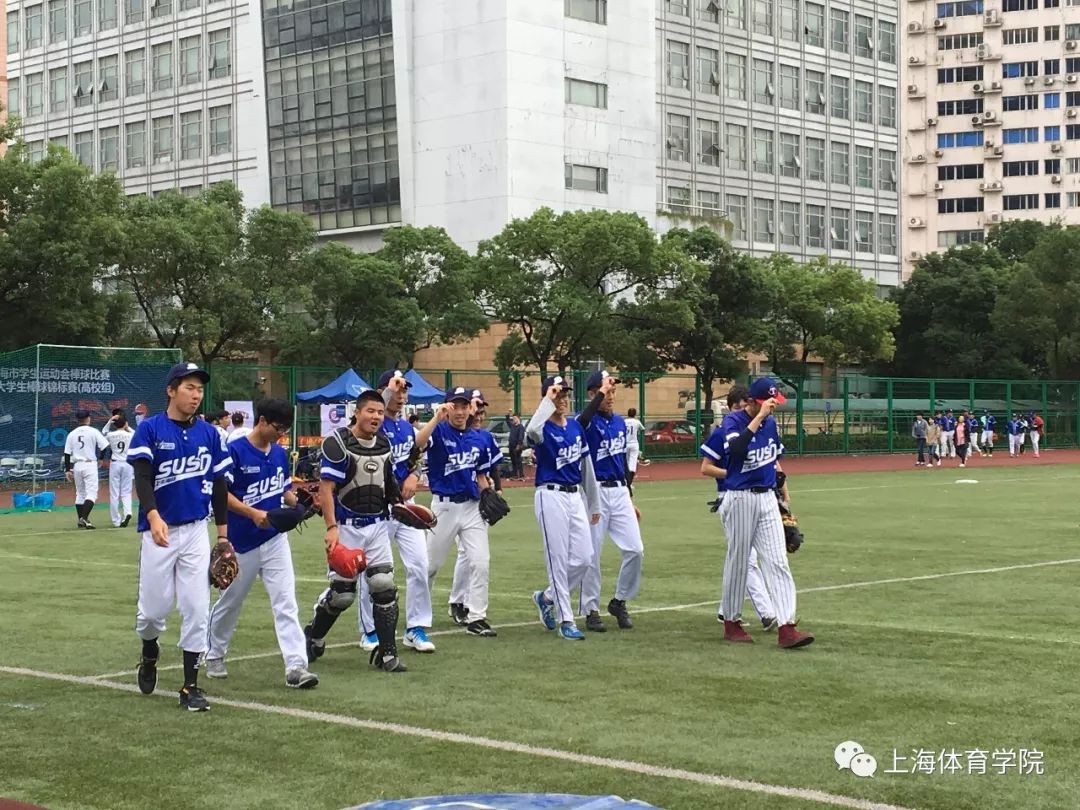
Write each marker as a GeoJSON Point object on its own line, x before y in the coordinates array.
{"type": "Point", "coordinates": [1016, 238]}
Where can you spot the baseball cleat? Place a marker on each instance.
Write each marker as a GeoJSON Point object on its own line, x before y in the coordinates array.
{"type": "Point", "coordinates": [459, 613]}
{"type": "Point", "coordinates": [192, 699]}
{"type": "Point", "coordinates": [88, 525]}
{"type": "Point", "coordinates": [593, 622]}
{"type": "Point", "coordinates": [546, 609]}
{"type": "Point", "coordinates": [790, 638]}
{"type": "Point", "coordinates": [301, 679]}
{"type": "Point", "coordinates": [417, 639]}
{"type": "Point", "coordinates": [147, 675]}
{"type": "Point", "coordinates": [569, 631]}
{"type": "Point", "coordinates": [82, 523]}
{"type": "Point", "coordinates": [369, 641]}
{"type": "Point", "coordinates": [481, 628]}
{"type": "Point", "coordinates": [124, 523]}
{"type": "Point", "coordinates": [387, 661]}
{"type": "Point", "coordinates": [617, 608]}
{"type": "Point", "coordinates": [215, 668]}
{"type": "Point", "coordinates": [768, 624]}
{"type": "Point", "coordinates": [314, 649]}
{"type": "Point", "coordinates": [733, 631]}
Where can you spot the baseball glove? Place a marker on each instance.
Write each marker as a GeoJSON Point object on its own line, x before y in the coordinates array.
{"type": "Point", "coordinates": [286, 518]}
{"type": "Point", "coordinates": [346, 562]}
{"type": "Point", "coordinates": [492, 507]}
{"type": "Point", "coordinates": [714, 506]}
{"type": "Point", "coordinates": [414, 515]}
{"type": "Point", "coordinates": [224, 567]}
{"type": "Point", "coordinates": [308, 499]}
{"type": "Point", "coordinates": [793, 538]}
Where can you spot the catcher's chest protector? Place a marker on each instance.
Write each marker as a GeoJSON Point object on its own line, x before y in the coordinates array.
{"type": "Point", "coordinates": [364, 491]}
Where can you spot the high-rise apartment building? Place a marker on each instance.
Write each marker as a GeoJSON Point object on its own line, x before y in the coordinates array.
{"type": "Point", "coordinates": [992, 94]}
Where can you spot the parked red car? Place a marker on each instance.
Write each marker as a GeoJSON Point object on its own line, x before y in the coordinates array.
{"type": "Point", "coordinates": [669, 432]}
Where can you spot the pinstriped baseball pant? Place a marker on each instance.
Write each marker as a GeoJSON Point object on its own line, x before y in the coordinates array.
{"type": "Point", "coordinates": [752, 521]}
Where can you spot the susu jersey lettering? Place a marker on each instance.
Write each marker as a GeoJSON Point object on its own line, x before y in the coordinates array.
{"type": "Point", "coordinates": [490, 454]}
{"type": "Point", "coordinates": [260, 480]}
{"type": "Point", "coordinates": [558, 457]}
{"type": "Point", "coordinates": [402, 437]}
{"type": "Point", "coordinates": [758, 469]}
{"type": "Point", "coordinates": [454, 458]}
{"type": "Point", "coordinates": [186, 460]}
{"type": "Point", "coordinates": [607, 438]}
{"type": "Point", "coordinates": [714, 450]}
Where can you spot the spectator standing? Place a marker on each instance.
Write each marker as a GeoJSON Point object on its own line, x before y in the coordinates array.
{"type": "Point", "coordinates": [918, 432]}
{"type": "Point", "coordinates": [933, 439]}
{"type": "Point", "coordinates": [961, 438]}
{"type": "Point", "coordinates": [516, 444]}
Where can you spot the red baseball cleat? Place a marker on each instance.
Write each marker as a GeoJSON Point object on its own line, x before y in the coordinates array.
{"type": "Point", "coordinates": [789, 638]}
{"type": "Point", "coordinates": [733, 631]}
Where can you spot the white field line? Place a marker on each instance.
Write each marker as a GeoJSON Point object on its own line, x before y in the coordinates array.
{"type": "Point", "coordinates": [504, 746]}
{"type": "Point", "coordinates": [937, 631]}
{"type": "Point", "coordinates": [689, 606]}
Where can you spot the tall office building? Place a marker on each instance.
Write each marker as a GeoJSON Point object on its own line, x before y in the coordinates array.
{"type": "Point", "coordinates": [992, 92]}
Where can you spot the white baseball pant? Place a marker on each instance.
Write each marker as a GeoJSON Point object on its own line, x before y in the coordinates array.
{"type": "Point", "coordinates": [412, 546]}
{"type": "Point", "coordinates": [374, 539]}
{"type": "Point", "coordinates": [633, 451]}
{"type": "Point", "coordinates": [1035, 441]}
{"type": "Point", "coordinates": [948, 442]}
{"type": "Point", "coordinates": [752, 521]}
{"type": "Point", "coordinates": [618, 520]}
{"type": "Point", "coordinates": [121, 477]}
{"type": "Point", "coordinates": [176, 573]}
{"type": "Point", "coordinates": [568, 550]}
{"type": "Point", "coordinates": [461, 522]}
{"type": "Point", "coordinates": [85, 474]}
{"type": "Point", "coordinates": [755, 589]}
{"type": "Point", "coordinates": [987, 438]}
{"type": "Point", "coordinates": [973, 438]}
{"type": "Point", "coordinates": [272, 561]}
{"type": "Point", "coordinates": [1016, 441]}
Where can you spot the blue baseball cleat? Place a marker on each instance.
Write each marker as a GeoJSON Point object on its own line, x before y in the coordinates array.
{"type": "Point", "coordinates": [569, 631]}
{"type": "Point", "coordinates": [369, 641]}
{"type": "Point", "coordinates": [546, 610]}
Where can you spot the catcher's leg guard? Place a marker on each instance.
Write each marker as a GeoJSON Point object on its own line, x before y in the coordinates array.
{"type": "Point", "coordinates": [334, 601]}
{"type": "Point", "coordinates": [380, 579]}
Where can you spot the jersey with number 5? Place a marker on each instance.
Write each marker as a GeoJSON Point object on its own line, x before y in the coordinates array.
{"type": "Point", "coordinates": [186, 459]}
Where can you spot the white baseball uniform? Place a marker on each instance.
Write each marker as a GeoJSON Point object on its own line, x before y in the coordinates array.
{"type": "Point", "coordinates": [634, 429]}
{"type": "Point", "coordinates": [83, 445]}
{"type": "Point", "coordinates": [413, 546]}
{"type": "Point", "coordinates": [120, 475]}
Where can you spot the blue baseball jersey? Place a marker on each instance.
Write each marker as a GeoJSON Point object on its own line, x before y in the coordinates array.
{"type": "Point", "coordinates": [758, 469]}
{"type": "Point", "coordinates": [186, 460]}
{"type": "Point", "coordinates": [948, 422]}
{"type": "Point", "coordinates": [559, 455]}
{"type": "Point", "coordinates": [454, 459]}
{"type": "Point", "coordinates": [1015, 427]}
{"type": "Point", "coordinates": [714, 449]}
{"type": "Point", "coordinates": [989, 421]}
{"type": "Point", "coordinates": [260, 480]}
{"type": "Point", "coordinates": [606, 436]}
{"type": "Point", "coordinates": [973, 424]}
{"type": "Point", "coordinates": [490, 454]}
{"type": "Point", "coordinates": [402, 439]}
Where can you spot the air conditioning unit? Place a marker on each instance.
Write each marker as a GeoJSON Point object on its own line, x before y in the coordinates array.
{"type": "Point", "coordinates": [939, 153]}
{"type": "Point", "coordinates": [914, 60]}
{"type": "Point", "coordinates": [982, 51]}
{"type": "Point", "coordinates": [920, 158]}
{"type": "Point", "coordinates": [1029, 80]}
{"type": "Point", "coordinates": [939, 186]}
{"type": "Point", "coordinates": [989, 115]}
{"type": "Point", "coordinates": [991, 18]}
{"type": "Point", "coordinates": [1070, 44]}
{"type": "Point", "coordinates": [978, 87]}
{"type": "Point", "coordinates": [976, 120]}
{"type": "Point", "coordinates": [1056, 147]}
{"type": "Point", "coordinates": [998, 151]}
{"type": "Point", "coordinates": [939, 23]}
{"type": "Point", "coordinates": [995, 87]}
{"type": "Point", "coordinates": [931, 122]}
{"type": "Point", "coordinates": [992, 186]}
{"type": "Point", "coordinates": [1048, 80]}
{"type": "Point", "coordinates": [1070, 113]}
{"type": "Point", "coordinates": [913, 89]}
{"type": "Point", "coordinates": [914, 255]}
{"type": "Point", "coordinates": [914, 27]}
{"type": "Point", "coordinates": [1055, 179]}
{"type": "Point", "coordinates": [995, 217]}
{"type": "Point", "coordinates": [916, 222]}
{"type": "Point", "coordinates": [989, 143]}
{"type": "Point", "coordinates": [1070, 79]}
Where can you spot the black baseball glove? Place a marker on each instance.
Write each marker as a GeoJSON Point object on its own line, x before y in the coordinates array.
{"type": "Point", "coordinates": [793, 537]}
{"type": "Point", "coordinates": [492, 507]}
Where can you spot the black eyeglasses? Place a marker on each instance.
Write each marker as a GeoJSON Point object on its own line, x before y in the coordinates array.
{"type": "Point", "coordinates": [281, 428]}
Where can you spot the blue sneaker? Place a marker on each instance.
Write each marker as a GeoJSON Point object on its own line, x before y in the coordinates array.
{"type": "Point", "coordinates": [416, 638]}
{"type": "Point", "coordinates": [569, 631]}
{"type": "Point", "coordinates": [368, 642]}
{"type": "Point", "coordinates": [546, 610]}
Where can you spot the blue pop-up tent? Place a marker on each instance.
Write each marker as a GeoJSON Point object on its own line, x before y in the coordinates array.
{"type": "Point", "coordinates": [347, 386]}
{"type": "Point", "coordinates": [422, 392]}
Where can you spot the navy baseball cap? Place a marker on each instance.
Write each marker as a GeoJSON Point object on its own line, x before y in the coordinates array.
{"type": "Point", "coordinates": [387, 376]}
{"type": "Point", "coordinates": [477, 395]}
{"type": "Point", "coordinates": [562, 382]}
{"type": "Point", "coordinates": [596, 379]}
{"type": "Point", "coordinates": [464, 394]}
{"type": "Point", "coordinates": [82, 414]}
{"type": "Point", "coordinates": [182, 370]}
{"type": "Point", "coordinates": [766, 388]}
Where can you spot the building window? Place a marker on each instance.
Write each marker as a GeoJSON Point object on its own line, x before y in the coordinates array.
{"type": "Point", "coordinates": [735, 76]}
{"type": "Point", "coordinates": [789, 87]}
{"type": "Point", "coordinates": [887, 106]}
{"type": "Point", "coordinates": [789, 20]}
{"type": "Point", "coordinates": [1072, 199]}
{"type": "Point", "coordinates": [709, 10]}
{"type": "Point", "coordinates": [966, 106]}
{"type": "Point", "coordinates": [763, 17]}
{"type": "Point", "coordinates": [160, 8]}
{"type": "Point", "coordinates": [57, 20]}
{"type": "Point", "coordinates": [35, 150]}
{"type": "Point", "coordinates": [887, 234]}
{"type": "Point", "coordinates": [84, 87]}
{"type": "Point", "coordinates": [1019, 168]}
{"type": "Point", "coordinates": [1052, 200]}
{"type": "Point", "coordinates": [839, 30]}
{"type": "Point", "coordinates": [763, 82]}
{"type": "Point", "coordinates": [84, 148]}
{"type": "Point", "coordinates": [790, 223]}
{"type": "Point", "coordinates": [163, 139]}
{"type": "Point", "coordinates": [1052, 166]}
{"type": "Point", "coordinates": [108, 78]}
{"type": "Point", "coordinates": [134, 12]}
{"type": "Point", "coordinates": [594, 11]}
{"type": "Point", "coordinates": [963, 8]}
{"type": "Point", "coordinates": [763, 221]}
{"type": "Point", "coordinates": [678, 137]}
{"type": "Point", "coordinates": [959, 41]}
{"type": "Point", "coordinates": [708, 71]}
{"type": "Point", "coordinates": [839, 228]}
{"type": "Point", "coordinates": [735, 14]}
{"type": "Point", "coordinates": [678, 199]}
{"type": "Point", "coordinates": [709, 202]}
{"type": "Point", "coordinates": [815, 159]}
{"type": "Point", "coordinates": [887, 42]}
{"type": "Point", "coordinates": [161, 60]}
{"type": "Point", "coordinates": [33, 26]}
{"type": "Point", "coordinates": [188, 5]}
{"type": "Point", "coordinates": [587, 94]}
{"type": "Point", "coordinates": [135, 144]}
{"type": "Point", "coordinates": [106, 15]}
{"type": "Point", "coordinates": [1072, 165]}
{"type": "Point", "coordinates": [951, 140]}
{"type": "Point", "coordinates": [735, 146]}
{"type": "Point", "coordinates": [221, 143]}
{"type": "Point", "coordinates": [1019, 36]}
{"type": "Point", "coordinates": [839, 92]}
{"type": "Point", "coordinates": [1051, 67]}
{"type": "Point", "coordinates": [578, 177]}
{"type": "Point", "coordinates": [58, 92]}
{"type": "Point", "coordinates": [35, 94]}
{"type": "Point", "coordinates": [815, 25]}
{"type": "Point", "coordinates": [864, 167]}
{"type": "Point", "coordinates": [1072, 132]}
{"type": "Point", "coordinates": [886, 170]}
{"type": "Point", "coordinates": [960, 205]}
{"type": "Point", "coordinates": [961, 171]}
{"type": "Point", "coordinates": [60, 141]}
{"type": "Point", "coordinates": [1020, 202]}
{"type": "Point", "coordinates": [840, 170]}
{"type": "Point", "coordinates": [815, 92]}
{"type": "Point", "coordinates": [1013, 103]}
{"type": "Point", "coordinates": [14, 103]}
{"type": "Point", "coordinates": [790, 163]}
{"type": "Point", "coordinates": [864, 36]}
{"type": "Point", "coordinates": [83, 23]}
{"type": "Point", "coordinates": [763, 150]}
{"type": "Point", "coordinates": [191, 60]}
{"type": "Point", "coordinates": [219, 62]}
{"type": "Point", "coordinates": [109, 148]}
{"type": "Point", "coordinates": [709, 143]}
{"type": "Point", "coordinates": [736, 214]}
{"type": "Point", "coordinates": [1020, 135]}
{"type": "Point", "coordinates": [134, 73]}
{"type": "Point", "coordinates": [191, 135]}
{"type": "Point", "coordinates": [12, 32]}
{"type": "Point", "coordinates": [678, 8]}
{"type": "Point", "coordinates": [960, 74]}
{"type": "Point", "coordinates": [1051, 101]}
{"type": "Point", "coordinates": [864, 102]}
{"type": "Point", "coordinates": [947, 239]}
{"type": "Point", "coordinates": [1051, 134]}
{"type": "Point", "coordinates": [1016, 70]}
{"type": "Point", "coordinates": [864, 232]}
{"type": "Point", "coordinates": [815, 226]}
{"type": "Point", "coordinates": [678, 64]}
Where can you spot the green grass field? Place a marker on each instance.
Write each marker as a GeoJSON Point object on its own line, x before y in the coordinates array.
{"type": "Point", "coordinates": [919, 646]}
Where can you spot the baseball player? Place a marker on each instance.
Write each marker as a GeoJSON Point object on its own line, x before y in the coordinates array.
{"type": "Point", "coordinates": [492, 458]}
{"type": "Point", "coordinates": [357, 486]}
{"type": "Point", "coordinates": [457, 472]}
{"type": "Point", "coordinates": [1015, 428]}
{"type": "Point", "coordinates": [259, 481]}
{"type": "Point", "coordinates": [750, 515]}
{"type": "Point", "coordinates": [974, 427]}
{"type": "Point", "coordinates": [82, 449]}
{"type": "Point", "coordinates": [948, 435]}
{"type": "Point", "coordinates": [1036, 423]}
{"type": "Point", "coordinates": [141, 413]}
{"type": "Point", "coordinates": [180, 466]}
{"type": "Point", "coordinates": [988, 422]}
{"type": "Point", "coordinates": [563, 469]}
{"type": "Point", "coordinates": [714, 458]}
{"type": "Point", "coordinates": [411, 542]}
{"type": "Point", "coordinates": [634, 431]}
{"type": "Point", "coordinates": [605, 433]}
{"type": "Point", "coordinates": [121, 477]}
